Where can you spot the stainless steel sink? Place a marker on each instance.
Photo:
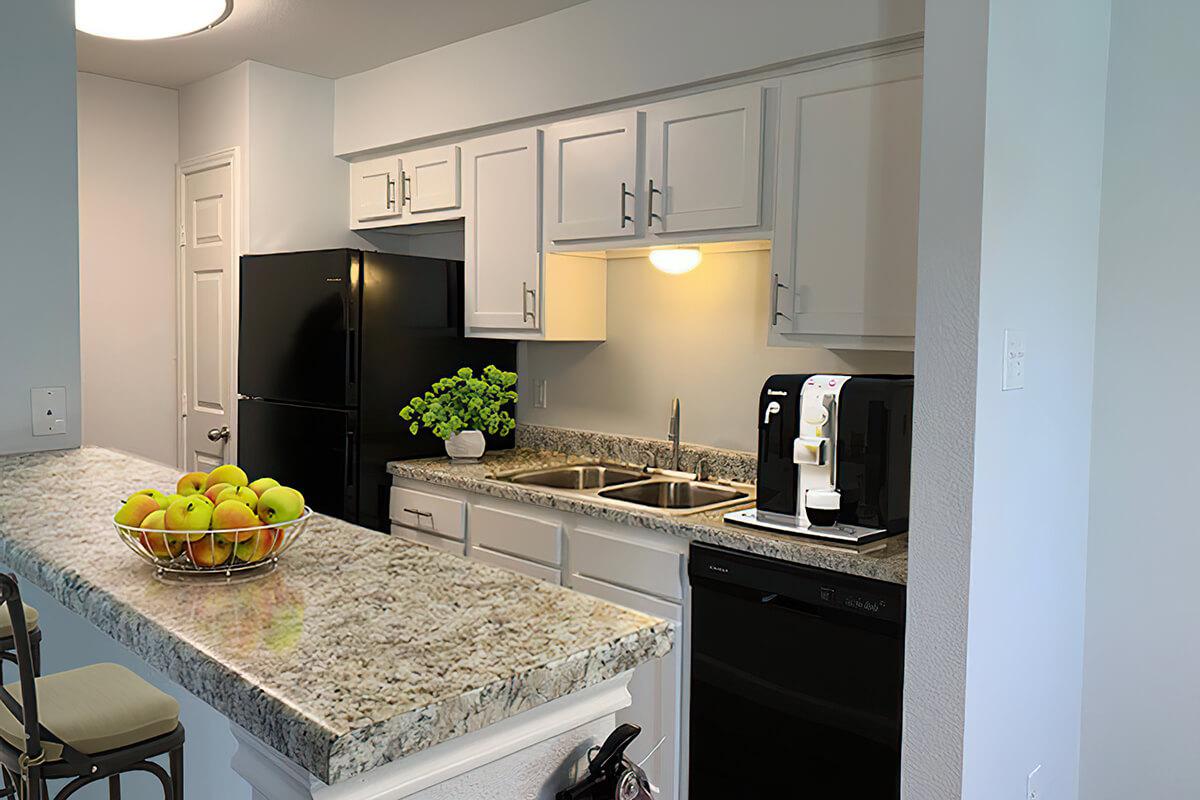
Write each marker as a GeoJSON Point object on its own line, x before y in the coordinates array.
{"type": "Point", "coordinates": [674, 494]}
{"type": "Point", "coordinates": [578, 476]}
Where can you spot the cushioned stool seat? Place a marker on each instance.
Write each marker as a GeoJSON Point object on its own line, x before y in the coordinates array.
{"type": "Point", "coordinates": [6, 627]}
{"type": "Point", "coordinates": [94, 709]}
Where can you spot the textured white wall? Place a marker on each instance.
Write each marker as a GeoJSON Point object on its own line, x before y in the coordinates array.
{"type": "Point", "coordinates": [128, 146]}
{"type": "Point", "coordinates": [1141, 699]}
{"type": "Point", "coordinates": [597, 52]}
{"type": "Point", "coordinates": [39, 259]}
{"type": "Point", "coordinates": [701, 337]}
{"type": "Point", "coordinates": [214, 115]}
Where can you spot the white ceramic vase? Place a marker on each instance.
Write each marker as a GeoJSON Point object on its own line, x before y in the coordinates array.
{"type": "Point", "coordinates": [466, 446]}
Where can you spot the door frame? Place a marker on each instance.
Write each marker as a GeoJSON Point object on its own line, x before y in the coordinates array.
{"type": "Point", "coordinates": [228, 157]}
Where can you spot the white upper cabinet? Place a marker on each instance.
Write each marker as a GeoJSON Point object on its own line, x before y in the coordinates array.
{"type": "Point", "coordinates": [373, 190]}
{"type": "Point", "coordinates": [704, 161]}
{"type": "Point", "coordinates": [503, 208]}
{"type": "Point", "coordinates": [845, 245]}
{"type": "Point", "coordinates": [432, 181]}
{"type": "Point", "coordinates": [591, 178]}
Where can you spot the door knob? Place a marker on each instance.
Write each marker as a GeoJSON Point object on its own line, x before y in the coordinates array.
{"type": "Point", "coordinates": [216, 434]}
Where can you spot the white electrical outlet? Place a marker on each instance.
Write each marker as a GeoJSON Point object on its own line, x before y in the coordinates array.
{"type": "Point", "coordinates": [540, 396]}
{"type": "Point", "coordinates": [1014, 360]}
{"type": "Point", "coordinates": [1033, 784]}
{"type": "Point", "coordinates": [49, 410]}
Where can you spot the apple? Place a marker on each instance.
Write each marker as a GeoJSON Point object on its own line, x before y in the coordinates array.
{"type": "Point", "coordinates": [190, 516]}
{"type": "Point", "coordinates": [280, 504]}
{"type": "Point", "coordinates": [163, 545]}
{"type": "Point", "coordinates": [192, 483]}
{"type": "Point", "coordinates": [209, 551]}
{"type": "Point", "coordinates": [158, 496]}
{"type": "Point", "coordinates": [136, 509]}
{"type": "Point", "coordinates": [243, 494]}
{"type": "Point", "coordinates": [226, 473]}
{"type": "Point", "coordinates": [214, 491]}
{"type": "Point", "coordinates": [260, 545]}
{"type": "Point", "coordinates": [262, 484]}
{"type": "Point", "coordinates": [171, 498]}
{"type": "Point", "coordinates": [232, 515]}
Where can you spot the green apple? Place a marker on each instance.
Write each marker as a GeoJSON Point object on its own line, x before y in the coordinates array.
{"type": "Point", "coordinates": [280, 504]}
{"type": "Point", "coordinates": [258, 546]}
{"type": "Point", "coordinates": [171, 498]}
{"type": "Point", "coordinates": [158, 496]}
{"type": "Point", "coordinates": [242, 494]}
{"type": "Point", "coordinates": [232, 515]}
{"type": "Point", "coordinates": [190, 517]}
{"type": "Point", "coordinates": [163, 545]}
{"type": "Point", "coordinates": [136, 509]}
{"type": "Point", "coordinates": [262, 484]}
{"type": "Point", "coordinates": [192, 483]}
{"type": "Point", "coordinates": [214, 491]}
{"type": "Point", "coordinates": [209, 551]}
{"type": "Point", "coordinates": [226, 473]}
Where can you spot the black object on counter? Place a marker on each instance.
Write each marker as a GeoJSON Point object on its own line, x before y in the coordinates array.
{"type": "Point", "coordinates": [332, 344]}
{"type": "Point", "coordinates": [796, 680]}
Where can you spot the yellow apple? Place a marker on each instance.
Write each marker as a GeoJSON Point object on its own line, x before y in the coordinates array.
{"type": "Point", "coordinates": [163, 545]}
{"type": "Point", "coordinates": [230, 517]}
{"type": "Point", "coordinates": [243, 494]}
{"type": "Point", "coordinates": [209, 551]}
{"type": "Point", "coordinates": [192, 483]}
{"type": "Point", "coordinates": [190, 517]}
{"type": "Point", "coordinates": [262, 484]}
{"type": "Point", "coordinates": [214, 491]}
{"type": "Point", "coordinates": [158, 496]}
{"type": "Point", "coordinates": [258, 546]}
{"type": "Point", "coordinates": [226, 473]}
{"type": "Point", "coordinates": [136, 509]}
{"type": "Point", "coordinates": [280, 504]}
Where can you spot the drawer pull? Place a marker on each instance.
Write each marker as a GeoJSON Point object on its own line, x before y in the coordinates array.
{"type": "Point", "coordinates": [418, 512]}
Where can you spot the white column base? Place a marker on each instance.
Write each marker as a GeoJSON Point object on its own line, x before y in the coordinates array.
{"type": "Point", "coordinates": [531, 755]}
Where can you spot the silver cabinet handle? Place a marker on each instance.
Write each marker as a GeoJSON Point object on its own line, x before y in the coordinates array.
{"type": "Point", "coordinates": [776, 313]}
{"type": "Point", "coordinates": [625, 218]}
{"type": "Point", "coordinates": [652, 216]}
{"type": "Point", "coordinates": [526, 292]}
{"type": "Point", "coordinates": [407, 182]}
{"type": "Point", "coordinates": [217, 434]}
{"type": "Point", "coordinates": [419, 514]}
{"type": "Point", "coordinates": [391, 193]}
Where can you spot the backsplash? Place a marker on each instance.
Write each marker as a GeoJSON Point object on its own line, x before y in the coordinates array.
{"type": "Point", "coordinates": [734, 465]}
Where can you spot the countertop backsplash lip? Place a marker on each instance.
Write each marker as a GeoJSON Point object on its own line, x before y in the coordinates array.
{"type": "Point", "coordinates": [734, 465]}
{"type": "Point", "coordinates": [890, 563]}
{"type": "Point", "coordinates": [389, 669]}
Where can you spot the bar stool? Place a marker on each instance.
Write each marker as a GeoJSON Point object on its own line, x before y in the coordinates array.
{"type": "Point", "coordinates": [8, 643]}
{"type": "Point", "coordinates": [85, 725]}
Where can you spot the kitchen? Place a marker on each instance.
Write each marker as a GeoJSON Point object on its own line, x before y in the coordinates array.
{"type": "Point", "coordinates": [645, 234]}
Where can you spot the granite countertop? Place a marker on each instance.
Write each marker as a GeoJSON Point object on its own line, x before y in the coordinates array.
{"type": "Point", "coordinates": [887, 563]}
{"type": "Point", "coordinates": [358, 650]}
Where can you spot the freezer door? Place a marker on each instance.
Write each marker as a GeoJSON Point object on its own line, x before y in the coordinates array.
{"type": "Point", "coordinates": [311, 449]}
{"type": "Point", "coordinates": [298, 327]}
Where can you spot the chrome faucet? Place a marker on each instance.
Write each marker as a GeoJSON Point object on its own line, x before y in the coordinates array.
{"type": "Point", "coordinates": [673, 434]}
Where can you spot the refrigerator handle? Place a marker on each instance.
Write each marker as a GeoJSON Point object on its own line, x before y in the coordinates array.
{"type": "Point", "coordinates": [350, 460]}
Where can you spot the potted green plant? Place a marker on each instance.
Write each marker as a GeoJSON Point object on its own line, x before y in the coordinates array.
{"type": "Point", "coordinates": [461, 407]}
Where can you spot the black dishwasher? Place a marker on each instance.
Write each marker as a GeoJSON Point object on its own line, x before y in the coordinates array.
{"type": "Point", "coordinates": [796, 680]}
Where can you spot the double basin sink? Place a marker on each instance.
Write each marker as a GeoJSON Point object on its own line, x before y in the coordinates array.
{"type": "Point", "coordinates": [621, 484]}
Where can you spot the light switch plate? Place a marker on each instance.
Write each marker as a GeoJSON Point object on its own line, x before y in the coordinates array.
{"type": "Point", "coordinates": [1014, 360]}
{"type": "Point", "coordinates": [49, 410]}
{"type": "Point", "coordinates": [1033, 784]}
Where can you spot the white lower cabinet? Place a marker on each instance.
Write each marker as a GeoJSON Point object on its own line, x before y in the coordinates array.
{"type": "Point", "coordinates": [636, 568]}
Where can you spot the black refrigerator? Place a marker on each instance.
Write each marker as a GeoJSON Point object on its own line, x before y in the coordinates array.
{"type": "Point", "coordinates": [332, 344]}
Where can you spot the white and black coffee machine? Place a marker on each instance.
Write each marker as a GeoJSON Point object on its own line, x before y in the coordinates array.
{"type": "Point", "coordinates": [833, 457]}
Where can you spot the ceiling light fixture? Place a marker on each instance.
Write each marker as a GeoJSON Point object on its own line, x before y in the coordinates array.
{"type": "Point", "coordinates": [676, 260]}
{"type": "Point", "coordinates": [149, 19]}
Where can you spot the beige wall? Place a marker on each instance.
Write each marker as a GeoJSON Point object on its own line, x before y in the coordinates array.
{"type": "Point", "coordinates": [128, 145]}
{"type": "Point", "coordinates": [700, 336]}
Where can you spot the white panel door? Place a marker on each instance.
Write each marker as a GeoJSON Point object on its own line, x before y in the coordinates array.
{"type": "Point", "coordinates": [374, 191]}
{"type": "Point", "coordinates": [845, 248]}
{"type": "Point", "coordinates": [591, 175]}
{"type": "Point", "coordinates": [431, 181]}
{"type": "Point", "coordinates": [208, 253]}
{"type": "Point", "coordinates": [503, 263]}
{"type": "Point", "coordinates": [704, 161]}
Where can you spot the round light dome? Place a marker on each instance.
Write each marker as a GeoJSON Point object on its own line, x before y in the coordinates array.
{"type": "Point", "coordinates": [676, 260]}
{"type": "Point", "coordinates": [148, 19]}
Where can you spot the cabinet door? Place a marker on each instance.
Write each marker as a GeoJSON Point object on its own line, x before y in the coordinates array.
{"type": "Point", "coordinates": [503, 263]}
{"type": "Point", "coordinates": [431, 180]}
{"type": "Point", "coordinates": [654, 688]}
{"type": "Point", "coordinates": [591, 169]}
{"type": "Point", "coordinates": [373, 193]}
{"type": "Point", "coordinates": [845, 248]}
{"type": "Point", "coordinates": [704, 161]}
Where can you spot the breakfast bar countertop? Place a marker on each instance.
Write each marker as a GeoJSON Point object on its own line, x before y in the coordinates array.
{"type": "Point", "coordinates": [359, 649]}
{"type": "Point", "coordinates": [886, 563]}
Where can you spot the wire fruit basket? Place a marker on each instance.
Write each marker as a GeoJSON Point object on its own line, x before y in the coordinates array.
{"type": "Point", "coordinates": [232, 553]}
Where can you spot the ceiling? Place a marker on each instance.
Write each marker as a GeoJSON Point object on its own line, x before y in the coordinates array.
{"type": "Point", "coordinates": [330, 38]}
